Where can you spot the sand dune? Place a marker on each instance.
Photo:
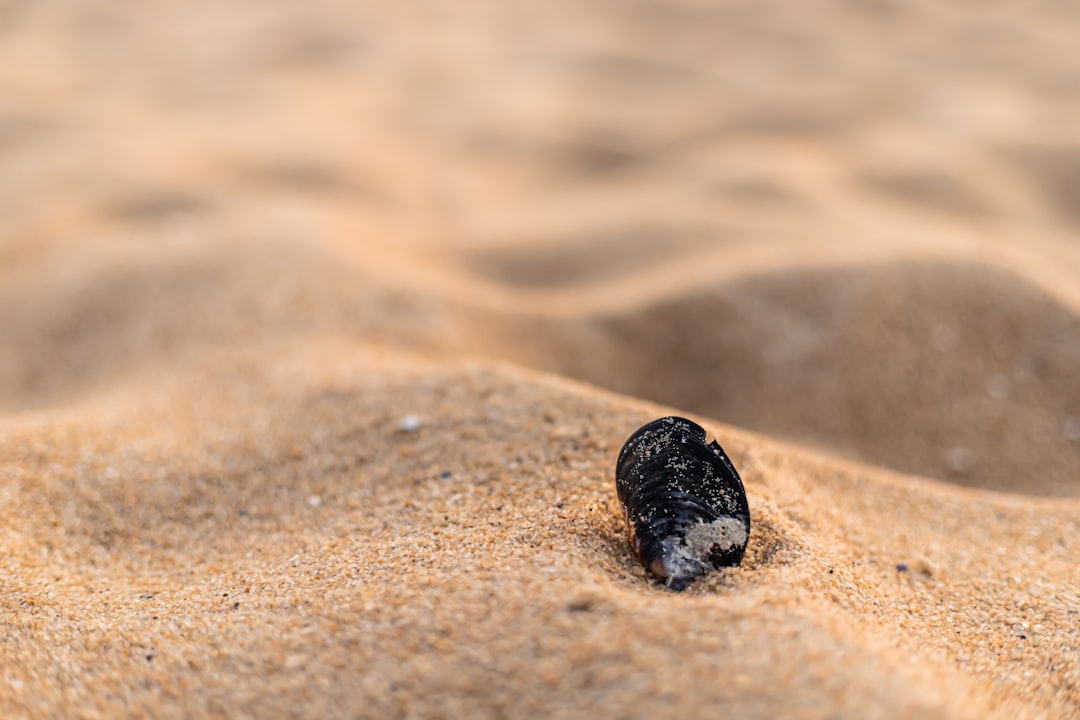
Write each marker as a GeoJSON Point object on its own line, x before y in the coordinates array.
{"type": "Point", "coordinates": [953, 371]}
{"type": "Point", "coordinates": [240, 246]}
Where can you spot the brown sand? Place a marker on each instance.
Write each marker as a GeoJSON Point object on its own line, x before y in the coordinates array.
{"type": "Point", "coordinates": [240, 246]}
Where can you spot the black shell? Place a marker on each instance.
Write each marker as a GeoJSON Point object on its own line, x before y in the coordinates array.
{"type": "Point", "coordinates": [684, 504]}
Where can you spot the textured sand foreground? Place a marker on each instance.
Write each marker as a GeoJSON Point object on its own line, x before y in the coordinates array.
{"type": "Point", "coordinates": [321, 326]}
{"type": "Point", "coordinates": [265, 538]}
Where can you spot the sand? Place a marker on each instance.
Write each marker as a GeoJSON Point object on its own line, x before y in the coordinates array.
{"type": "Point", "coordinates": [321, 327]}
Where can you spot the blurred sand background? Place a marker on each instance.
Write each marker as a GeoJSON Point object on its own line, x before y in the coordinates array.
{"type": "Point", "coordinates": [240, 244]}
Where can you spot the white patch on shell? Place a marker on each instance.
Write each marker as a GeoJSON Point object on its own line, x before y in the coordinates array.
{"type": "Point", "coordinates": [687, 558]}
{"type": "Point", "coordinates": [722, 533]}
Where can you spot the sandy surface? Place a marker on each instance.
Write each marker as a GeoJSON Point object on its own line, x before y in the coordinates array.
{"type": "Point", "coordinates": [321, 327]}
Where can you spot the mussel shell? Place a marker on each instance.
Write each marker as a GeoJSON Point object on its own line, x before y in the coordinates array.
{"type": "Point", "coordinates": [684, 503]}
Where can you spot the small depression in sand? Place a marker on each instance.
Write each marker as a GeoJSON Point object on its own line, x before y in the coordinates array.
{"type": "Point", "coordinates": [583, 262]}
